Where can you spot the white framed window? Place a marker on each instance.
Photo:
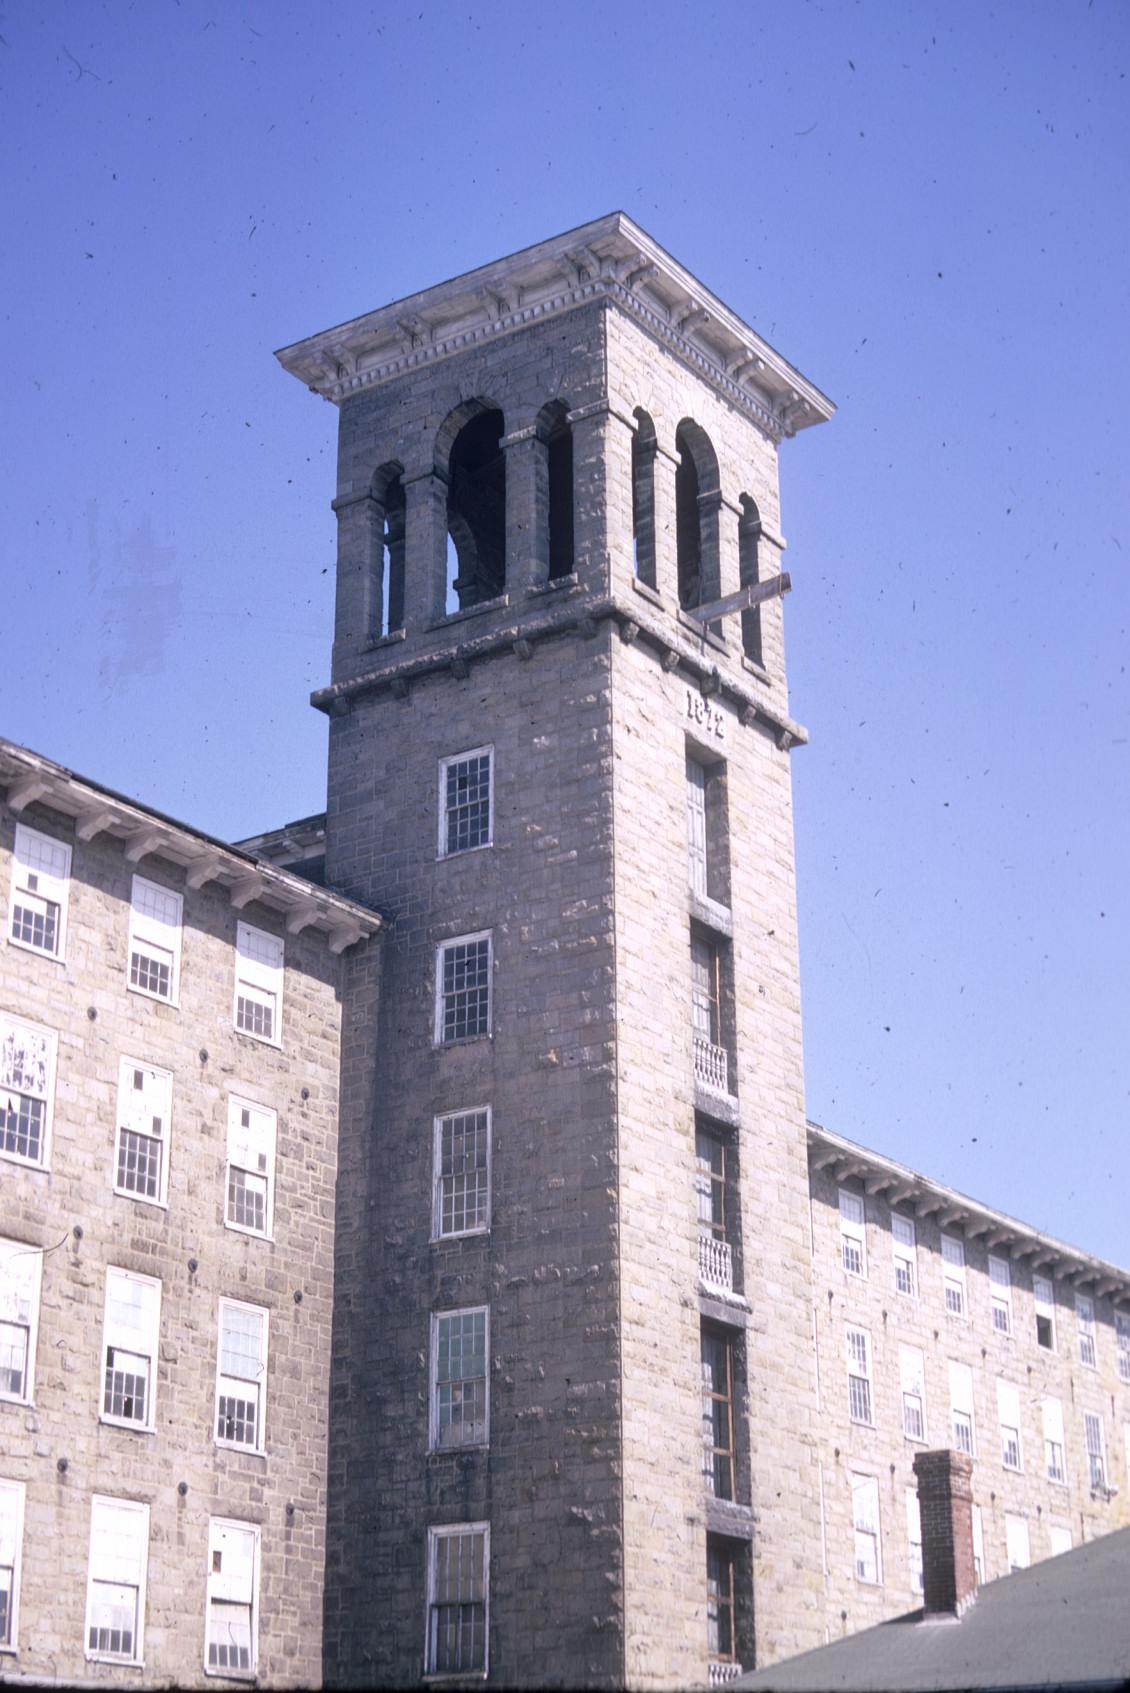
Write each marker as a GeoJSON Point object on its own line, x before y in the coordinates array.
{"type": "Point", "coordinates": [1122, 1340]}
{"type": "Point", "coordinates": [1059, 1539]}
{"type": "Point", "coordinates": [466, 801]}
{"type": "Point", "coordinates": [912, 1379]}
{"type": "Point", "coordinates": [1095, 1441]}
{"type": "Point", "coordinates": [865, 1520]}
{"type": "Point", "coordinates": [1043, 1297]}
{"type": "Point", "coordinates": [252, 1136]}
{"type": "Point", "coordinates": [859, 1375]}
{"type": "Point", "coordinates": [231, 1634]}
{"type": "Point", "coordinates": [1000, 1294]}
{"type": "Point", "coordinates": [456, 1637]}
{"type": "Point", "coordinates": [461, 1165]}
{"type": "Point", "coordinates": [1017, 1549]}
{"type": "Point", "coordinates": [115, 1593]}
{"type": "Point", "coordinates": [258, 983]}
{"type": "Point", "coordinates": [953, 1275]}
{"type": "Point", "coordinates": [978, 1545]}
{"type": "Point", "coordinates": [914, 1538]}
{"type": "Point", "coordinates": [130, 1332]}
{"type": "Point", "coordinates": [459, 1396]}
{"type": "Point", "coordinates": [904, 1245]}
{"type": "Point", "coordinates": [241, 1376]}
{"type": "Point", "coordinates": [1008, 1415]}
{"type": "Point", "coordinates": [1085, 1317]}
{"type": "Point", "coordinates": [21, 1269]}
{"type": "Point", "coordinates": [41, 872]}
{"type": "Point", "coordinates": [961, 1408]}
{"type": "Point", "coordinates": [141, 1147]}
{"type": "Point", "coordinates": [853, 1233]}
{"type": "Point", "coordinates": [463, 972]}
{"type": "Point", "coordinates": [155, 915]}
{"type": "Point", "coordinates": [11, 1546]}
{"type": "Point", "coordinates": [1054, 1462]}
{"type": "Point", "coordinates": [696, 826]}
{"type": "Point", "coordinates": [27, 1085]}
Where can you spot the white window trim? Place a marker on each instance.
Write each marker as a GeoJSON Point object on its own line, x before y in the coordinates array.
{"type": "Point", "coordinates": [225, 1671]}
{"type": "Point", "coordinates": [960, 1407]}
{"type": "Point", "coordinates": [906, 1252]}
{"type": "Point", "coordinates": [1017, 1539]}
{"type": "Point", "coordinates": [436, 1533]}
{"type": "Point", "coordinates": [697, 852]}
{"type": "Point", "coordinates": [1006, 1391]}
{"type": "Point", "coordinates": [955, 1274]}
{"type": "Point", "coordinates": [437, 1173]}
{"type": "Point", "coordinates": [914, 1540]}
{"type": "Point", "coordinates": [1088, 1336]}
{"type": "Point", "coordinates": [1052, 1423]}
{"type": "Point", "coordinates": [441, 827]}
{"type": "Point", "coordinates": [10, 1249]}
{"type": "Point", "coordinates": [1000, 1293]}
{"type": "Point", "coordinates": [50, 1039]}
{"type": "Point", "coordinates": [978, 1545]}
{"type": "Point", "coordinates": [132, 1507]}
{"type": "Point", "coordinates": [853, 1231]}
{"type": "Point", "coordinates": [267, 979]}
{"type": "Point", "coordinates": [912, 1385]}
{"type": "Point", "coordinates": [62, 885]}
{"type": "Point", "coordinates": [1057, 1532]}
{"type": "Point", "coordinates": [260, 1445]}
{"type": "Point", "coordinates": [154, 1339]}
{"type": "Point", "coordinates": [1122, 1345]}
{"type": "Point", "coordinates": [237, 1104]}
{"type": "Point", "coordinates": [126, 1069]}
{"type": "Point", "coordinates": [1045, 1307]}
{"type": "Point", "coordinates": [1101, 1454]}
{"type": "Point", "coordinates": [871, 1486]}
{"type": "Point", "coordinates": [867, 1373]}
{"type": "Point", "coordinates": [145, 932]}
{"type": "Point", "coordinates": [15, 1491]}
{"type": "Point", "coordinates": [463, 940]}
{"type": "Point", "coordinates": [433, 1381]}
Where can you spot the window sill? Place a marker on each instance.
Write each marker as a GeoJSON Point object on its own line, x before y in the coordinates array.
{"type": "Point", "coordinates": [464, 852]}
{"type": "Point", "coordinates": [461, 1234]}
{"type": "Point", "coordinates": [141, 1199]}
{"type": "Point", "coordinates": [499, 603]}
{"type": "Point", "coordinates": [37, 951]}
{"type": "Point", "coordinates": [721, 1107]}
{"type": "Point", "coordinates": [260, 1040]}
{"type": "Point", "coordinates": [757, 670]}
{"type": "Point", "coordinates": [460, 1040]}
{"type": "Point", "coordinates": [249, 1234]}
{"type": "Point", "coordinates": [554, 585]}
{"type": "Point", "coordinates": [702, 630]}
{"type": "Point", "coordinates": [374, 643]}
{"type": "Point", "coordinates": [172, 1000]}
{"type": "Point", "coordinates": [731, 1310]}
{"type": "Point", "coordinates": [245, 1451]}
{"type": "Point", "coordinates": [650, 594]}
{"type": "Point", "coordinates": [25, 1163]}
{"type": "Point", "coordinates": [128, 1428]}
{"type": "Point", "coordinates": [728, 1518]}
{"type": "Point", "coordinates": [712, 914]}
{"type": "Point", "coordinates": [250, 1676]}
{"type": "Point", "coordinates": [114, 1658]}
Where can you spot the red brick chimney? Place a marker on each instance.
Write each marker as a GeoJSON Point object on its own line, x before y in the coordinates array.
{"type": "Point", "coordinates": [945, 1502]}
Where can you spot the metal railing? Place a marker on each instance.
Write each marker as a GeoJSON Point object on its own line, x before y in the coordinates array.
{"type": "Point", "coordinates": [721, 1672]}
{"type": "Point", "coordinates": [715, 1262]}
{"type": "Point", "coordinates": [710, 1064]}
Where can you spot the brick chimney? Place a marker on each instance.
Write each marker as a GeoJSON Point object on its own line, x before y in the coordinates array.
{"type": "Point", "coordinates": [945, 1501]}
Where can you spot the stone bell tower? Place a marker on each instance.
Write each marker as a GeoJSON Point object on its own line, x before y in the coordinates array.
{"type": "Point", "coordinates": [573, 1396]}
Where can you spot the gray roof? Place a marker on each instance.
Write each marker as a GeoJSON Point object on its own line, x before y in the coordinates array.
{"type": "Point", "coordinates": [1063, 1623]}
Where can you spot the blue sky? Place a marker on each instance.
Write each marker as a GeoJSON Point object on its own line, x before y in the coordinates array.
{"type": "Point", "coordinates": [921, 205]}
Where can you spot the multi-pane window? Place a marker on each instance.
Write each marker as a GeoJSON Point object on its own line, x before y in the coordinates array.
{"type": "Point", "coordinates": [11, 1543]}
{"type": "Point", "coordinates": [141, 1146]}
{"type": "Point", "coordinates": [154, 940]}
{"type": "Point", "coordinates": [232, 1626]}
{"type": "Point", "coordinates": [1122, 1337]}
{"type": "Point", "coordinates": [978, 1545]}
{"type": "Point", "coordinates": [865, 1519]}
{"type": "Point", "coordinates": [1000, 1294]}
{"type": "Point", "coordinates": [953, 1274]}
{"type": "Point", "coordinates": [1053, 1440]}
{"type": "Point", "coordinates": [129, 1347]}
{"type": "Point", "coordinates": [458, 1589]}
{"type": "Point", "coordinates": [1043, 1297]}
{"type": "Point", "coordinates": [459, 1378]}
{"type": "Point", "coordinates": [465, 793]}
{"type": "Point", "coordinates": [27, 1069]}
{"type": "Point", "coordinates": [717, 1354]}
{"type": "Point", "coordinates": [720, 1583]}
{"type": "Point", "coordinates": [961, 1407]}
{"type": "Point", "coordinates": [859, 1375]}
{"type": "Point", "coordinates": [463, 988]}
{"type": "Point", "coordinates": [1008, 1416]}
{"type": "Point", "coordinates": [853, 1238]}
{"type": "Point", "coordinates": [41, 868]}
{"type": "Point", "coordinates": [258, 982]}
{"type": "Point", "coordinates": [461, 1202]}
{"type": "Point", "coordinates": [710, 1183]}
{"type": "Point", "coordinates": [914, 1538]}
{"type": "Point", "coordinates": [904, 1245]}
{"type": "Point", "coordinates": [241, 1378]}
{"type": "Point", "coordinates": [1017, 1548]}
{"type": "Point", "coordinates": [711, 1063]}
{"type": "Point", "coordinates": [251, 1167]}
{"type": "Point", "coordinates": [696, 826]}
{"type": "Point", "coordinates": [1096, 1450]}
{"type": "Point", "coordinates": [1085, 1317]}
{"type": "Point", "coordinates": [21, 1267]}
{"type": "Point", "coordinates": [912, 1380]}
{"type": "Point", "coordinates": [115, 1594]}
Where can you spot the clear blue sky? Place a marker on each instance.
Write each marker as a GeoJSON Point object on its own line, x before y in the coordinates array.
{"type": "Point", "coordinates": [922, 205]}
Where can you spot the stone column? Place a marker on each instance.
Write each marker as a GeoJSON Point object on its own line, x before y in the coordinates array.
{"type": "Point", "coordinates": [527, 511]}
{"type": "Point", "coordinates": [425, 548]}
{"type": "Point", "coordinates": [666, 533]}
{"type": "Point", "coordinates": [593, 475]}
{"type": "Point", "coordinates": [358, 609]}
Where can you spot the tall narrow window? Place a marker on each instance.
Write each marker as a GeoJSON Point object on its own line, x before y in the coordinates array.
{"type": "Point", "coordinates": [717, 1413]}
{"type": "Point", "coordinates": [715, 1262]}
{"type": "Point", "coordinates": [953, 1274]}
{"type": "Point", "coordinates": [1043, 1295]}
{"type": "Point", "coordinates": [903, 1243]}
{"type": "Point", "coordinates": [465, 795]}
{"type": "Point", "coordinates": [232, 1627]}
{"type": "Point", "coordinates": [1122, 1337]}
{"type": "Point", "coordinates": [914, 1538]}
{"type": "Point", "coordinates": [1054, 1462]}
{"type": "Point", "coordinates": [258, 982]}
{"type": "Point", "coordinates": [458, 1592]}
{"type": "Point", "coordinates": [961, 1408]}
{"type": "Point", "coordinates": [463, 988]}
{"type": "Point", "coordinates": [697, 501]}
{"type": "Point", "coordinates": [1096, 1450]}
{"type": "Point", "coordinates": [251, 1167]}
{"type": "Point", "coordinates": [749, 574]}
{"type": "Point", "coordinates": [241, 1377]}
{"type": "Point", "coordinates": [129, 1348]}
{"type": "Point", "coordinates": [462, 1173]}
{"type": "Point", "coordinates": [141, 1152]}
{"type": "Point", "coordinates": [1085, 1317]}
{"type": "Point", "coordinates": [11, 1547]}
{"type": "Point", "coordinates": [1008, 1413]}
{"type": "Point", "coordinates": [154, 940]}
{"type": "Point", "coordinates": [460, 1410]}
{"type": "Point", "coordinates": [27, 1072]}
{"type": "Point", "coordinates": [711, 1063]}
{"type": "Point", "coordinates": [708, 846]}
{"type": "Point", "coordinates": [696, 826]}
{"type": "Point", "coordinates": [859, 1375]}
{"type": "Point", "coordinates": [853, 1235]}
{"type": "Point", "coordinates": [865, 1517]}
{"type": "Point", "coordinates": [912, 1379]}
{"type": "Point", "coordinates": [21, 1267]}
{"type": "Point", "coordinates": [644, 447]}
{"type": "Point", "coordinates": [391, 507]}
{"type": "Point", "coordinates": [476, 507]}
{"type": "Point", "coordinates": [41, 868]}
{"type": "Point", "coordinates": [721, 1636]}
{"type": "Point", "coordinates": [1000, 1294]}
{"type": "Point", "coordinates": [1017, 1548]}
{"type": "Point", "coordinates": [978, 1545]}
{"type": "Point", "coordinates": [115, 1595]}
{"type": "Point", "coordinates": [557, 438]}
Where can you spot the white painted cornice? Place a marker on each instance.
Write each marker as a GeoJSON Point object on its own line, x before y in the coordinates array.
{"type": "Point", "coordinates": [613, 259]}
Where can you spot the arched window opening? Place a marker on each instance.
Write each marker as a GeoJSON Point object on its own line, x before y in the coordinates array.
{"type": "Point", "coordinates": [696, 516]}
{"type": "Point", "coordinates": [643, 498]}
{"type": "Point", "coordinates": [476, 509]}
{"type": "Point", "coordinates": [388, 489]}
{"type": "Point", "coordinates": [557, 438]}
{"type": "Point", "coordinates": [749, 573]}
